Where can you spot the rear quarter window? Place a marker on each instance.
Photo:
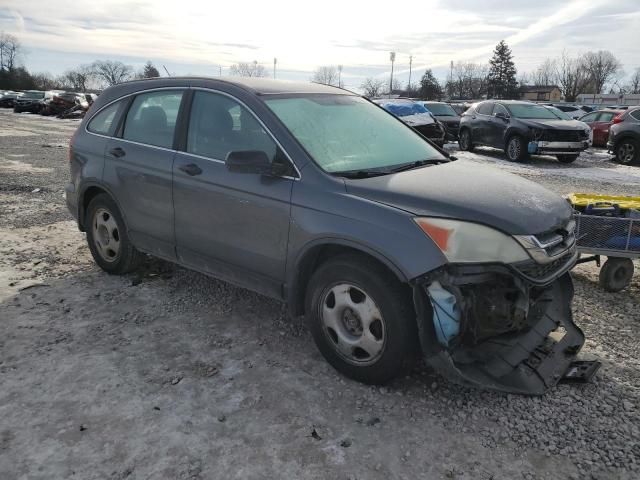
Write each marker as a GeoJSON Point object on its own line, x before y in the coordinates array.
{"type": "Point", "coordinates": [103, 123]}
{"type": "Point", "coordinates": [635, 114]}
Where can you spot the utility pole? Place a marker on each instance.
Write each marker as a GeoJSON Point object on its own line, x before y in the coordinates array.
{"type": "Point", "coordinates": [275, 60]}
{"type": "Point", "coordinates": [410, 62]}
{"type": "Point", "coordinates": [392, 56]}
{"type": "Point", "coordinates": [340, 76]}
{"type": "Point", "coordinates": [220, 69]}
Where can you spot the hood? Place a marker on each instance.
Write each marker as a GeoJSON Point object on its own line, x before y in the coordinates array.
{"type": "Point", "coordinates": [448, 119]}
{"type": "Point", "coordinates": [554, 124]}
{"type": "Point", "coordinates": [418, 119]}
{"type": "Point", "coordinates": [465, 190]}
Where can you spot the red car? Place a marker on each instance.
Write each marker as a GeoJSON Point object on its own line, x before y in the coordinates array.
{"type": "Point", "coordinates": [600, 121]}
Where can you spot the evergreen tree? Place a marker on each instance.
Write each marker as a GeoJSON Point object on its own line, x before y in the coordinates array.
{"type": "Point", "coordinates": [150, 71]}
{"type": "Point", "coordinates": [502, 81]}
{"type": "Point", "coordinates": [430, 89]}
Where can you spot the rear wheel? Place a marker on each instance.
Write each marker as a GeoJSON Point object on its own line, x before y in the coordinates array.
{"type": "Point", "coordinates": [516, 149]}
{"type": "Point", "coordinates": [107, 237]}
{"type": "Point", "coordinates": [361, 319]}
{"type": "Point", "coordinates": [567, 158]}
{"type": "Point", "coordinates": [464, 140]}
{"type": "Point", "coordinates": [628, 151]}
{"type": "Point", "coordinates": [616, 274]}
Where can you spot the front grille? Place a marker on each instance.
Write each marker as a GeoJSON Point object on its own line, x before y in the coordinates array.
{"type": "Point", "coordinates": [432, 130]}
{"type": "Point", "coordinates": [539, 271]}
{"type": "Point", "coordinates": [563, 136]}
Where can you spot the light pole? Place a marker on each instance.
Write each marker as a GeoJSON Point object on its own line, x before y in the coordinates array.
{"type": "Point", "coordinates": [340, 76]}
{"type": "Point", "coordinates": [275, 60]}
{"type": "Point", "coordinates": [410, 62]}
{"type": "Point", "coordinates": [392, 56]}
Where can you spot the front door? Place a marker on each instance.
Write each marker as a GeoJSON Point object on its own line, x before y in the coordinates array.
{"type": "Point", "coordinates": [232, 225]}
{"type": "Point", "coordinates": [139, 165]}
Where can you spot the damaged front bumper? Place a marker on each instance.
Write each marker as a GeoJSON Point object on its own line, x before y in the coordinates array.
{"type": "Point", "coordinates": [499, 327]}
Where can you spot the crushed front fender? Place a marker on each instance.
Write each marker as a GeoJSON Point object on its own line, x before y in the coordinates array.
{"type": "Point", "coordinates": [514, 336]}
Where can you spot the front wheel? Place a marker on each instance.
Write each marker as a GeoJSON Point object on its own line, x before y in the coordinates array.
{"type": "Point", "coordinates": [567, 158]}
{"type": "Point", "coordinates": [361, 319]}
{"type": "Point", "coordinates": [628, 152]}
{"type": "Point", "coordinates": [616, 274]}
{"type": "Point", "coordinates": [516, 149]}
{"type": "Point", "coordinates": [107, 237]}
{"type": "Point", "coordinates": [464, 140]}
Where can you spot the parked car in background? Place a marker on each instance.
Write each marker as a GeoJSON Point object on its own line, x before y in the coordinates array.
{"type": "Point", "coordinates": [314, 196]}
{"type": "Point", "coordinates": [574, 111]}
{"type": "Point", "coordinates": [417, 117]}
{"type": "Point", "coordinates": [624, 137]}
{"type": "Point", "coordinates": [522, 128]}
{"type": "Point", "coordinates": [62, 104]}
{"type": "Point", "coordinates": [446, 115]}
{"type": "Point", "coordinates": [460, 108]}
{"type": "Point", "coordinates": [8, 99]}
{"type": "Point", "coordinates": [600, 121]}
{"type": "Point", "coordinates": [32, 101]}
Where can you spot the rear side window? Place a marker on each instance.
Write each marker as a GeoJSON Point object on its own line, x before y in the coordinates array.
{"type": "Point", "coordinates": [219, 125]}
{"type": "Point", "coordinates": [152, 118]}
{"type": "Point", "coordinates": [485, 108]}
{"type": "Point", "coordinates": [500, 109]}
{"type": "Point", "coordinates": [606, 117]}
{"type": "Point", "coordinates": [104, 122]}
{"type": "Point", "coordinates": [589, 118]}
{"type": "Point", "coordinates": [635, 114]}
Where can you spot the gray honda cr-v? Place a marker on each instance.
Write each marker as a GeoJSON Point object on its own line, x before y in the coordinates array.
{"type": "Point", "coordinates": [317, 197]}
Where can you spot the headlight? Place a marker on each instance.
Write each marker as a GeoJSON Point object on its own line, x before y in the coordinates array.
{"type": "Point", "coordinates": [465, 242]}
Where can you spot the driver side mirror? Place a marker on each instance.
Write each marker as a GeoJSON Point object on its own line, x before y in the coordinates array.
{"type": "Point", "coordinates": [253, 161]}
{"type": "Point", "coordinates": [501, 115]}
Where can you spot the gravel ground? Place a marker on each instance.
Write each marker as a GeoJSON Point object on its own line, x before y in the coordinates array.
{"type": "Point", "coordinates": [167, 373]}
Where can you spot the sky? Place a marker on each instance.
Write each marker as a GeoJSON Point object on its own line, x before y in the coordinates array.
{"type": "Point", "coordinates": [206, 37]}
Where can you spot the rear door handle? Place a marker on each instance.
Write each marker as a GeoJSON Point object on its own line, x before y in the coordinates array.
{"type": "Point", "coordinates": [191, 169]}
{"type": "Point", "coordinates": [117, 152]}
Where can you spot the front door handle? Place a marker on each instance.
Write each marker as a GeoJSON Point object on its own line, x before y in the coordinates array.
{"type": "Point", "coordinates": [117, 152]}
{"type": "Point", "coordinates": [191, 169]}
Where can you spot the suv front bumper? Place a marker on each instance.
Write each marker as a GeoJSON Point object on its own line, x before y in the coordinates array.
{"type": "Point", "coordinates": [557, 148]}
{"type": "Point", "coordinates": [515, 334]}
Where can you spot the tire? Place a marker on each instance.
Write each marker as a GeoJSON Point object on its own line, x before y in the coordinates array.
{"type": "Point", "coordinates": [628, 152]}
{"type": "Point", "coordinates": [464, 140]}
{"type": "Point", "coordinates": [107, 237]}
{"type": "Point", "coordinates": [566, 158]}
{"type": "Point", "coordinates": [516, 149]}
{"type": "Point", "coordinates": [616, 274]}
{"type": "Point", "coordinates": [344, 296]}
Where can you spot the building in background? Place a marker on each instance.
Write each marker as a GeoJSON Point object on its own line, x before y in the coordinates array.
{"type": "Point", "coordinates": [544, 93]}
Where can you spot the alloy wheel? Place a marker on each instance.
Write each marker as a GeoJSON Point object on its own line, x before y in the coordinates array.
{"type": "Point", "coordinates": [106, 236]}
{"type": "Point", "coordinates": [626, 152]}
{"type": "Point", "coordinates": [514, 149]}
{"type": "Point", "coordinates": [354, 324]}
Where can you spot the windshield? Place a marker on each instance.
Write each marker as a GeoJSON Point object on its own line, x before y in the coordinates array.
{"type": "Point", "coordinates": [347, 133]}
{"type": "Point", "coordinates": [441, 109]}
{"type": "Point", "coordinates": [33, 95]}
{"type": "Point", "coordinates": [559, 113]}
{"type": "Point", "coordinates": [404, 109]}
{"type": "Point", "coordinates": [531, 111]}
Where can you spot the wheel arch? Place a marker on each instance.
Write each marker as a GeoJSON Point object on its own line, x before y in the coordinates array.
{"type": "Point", "coordinates": [88, 193]}
{"type": "Point", "coordinates": [318, 252]}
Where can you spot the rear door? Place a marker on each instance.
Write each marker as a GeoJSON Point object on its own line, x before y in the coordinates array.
{"type": "Point", "coordinates": [138, 168]}
{"type": "Point", "coordinates": [601, 126]}
{"type": "Point", "coordinates": [481, 122]}
{"type": "Point", "coordinates": [496, 127]}
{"type": "Point", "coordinates": [232, 225]}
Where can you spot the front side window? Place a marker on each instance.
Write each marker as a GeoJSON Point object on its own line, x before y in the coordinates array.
{"type": "Point", "coordinates": [500, 109]}
{"type": "Point", "coordinates": [485, 108]}
{"type": "Point", "coordinates": [104, 122]}
{"type": "Point", "coordinates": [219, 125]}
{"type": "Point", "coordinates": [344, 133]}
{"type": "Point", "coordinates": [152, 118]}
{"type": "Point", "coordinates": [635, 114]}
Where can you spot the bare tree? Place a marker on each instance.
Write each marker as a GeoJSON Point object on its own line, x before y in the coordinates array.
{"type": "Point", "coordinates": [373, 87]}
{"type": "Point", "coordinates": [469, 80]}
{"type": "Point", "coordinates": [10, 48]}
{"type": "Point", "coordinates": [328, 75]}
{"type": "Point", "coordinates": [571, 76]}
{"type": "Point", "coordinates": [111, 72]}
{"type": "Point", "coordinates": [601, 66]}
{"type": "Point", "coordinates": [44, 81]}
{"type": "Point", "coordinates": [545, 74]}
{"type": "Point", "coordinates": [634, 84]}
{"type": "Point", "coordinates": [248, 69]}
{"type": "Point", "coordinates": [78, 79]}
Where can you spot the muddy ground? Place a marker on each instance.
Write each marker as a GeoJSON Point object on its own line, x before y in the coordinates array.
{"type": "Point", "coordinates": [168, 374]}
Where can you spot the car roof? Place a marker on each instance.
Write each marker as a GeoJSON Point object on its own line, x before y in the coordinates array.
{"type": "Point", "coordinates": [257, 85]}
{"type": "Point", "coordinates": [381, 101]}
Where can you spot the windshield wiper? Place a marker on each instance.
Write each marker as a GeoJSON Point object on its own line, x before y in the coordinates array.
{"type": "Point", "coordinates": [362, 173]}
{"type": "Point", "coordinates": [418, 164]}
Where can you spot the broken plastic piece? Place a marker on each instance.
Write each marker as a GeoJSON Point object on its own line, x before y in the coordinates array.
{"type": "Point", "coordinates": [446, 315]}
{"type": "Point", "coordinates": [581, 371]}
